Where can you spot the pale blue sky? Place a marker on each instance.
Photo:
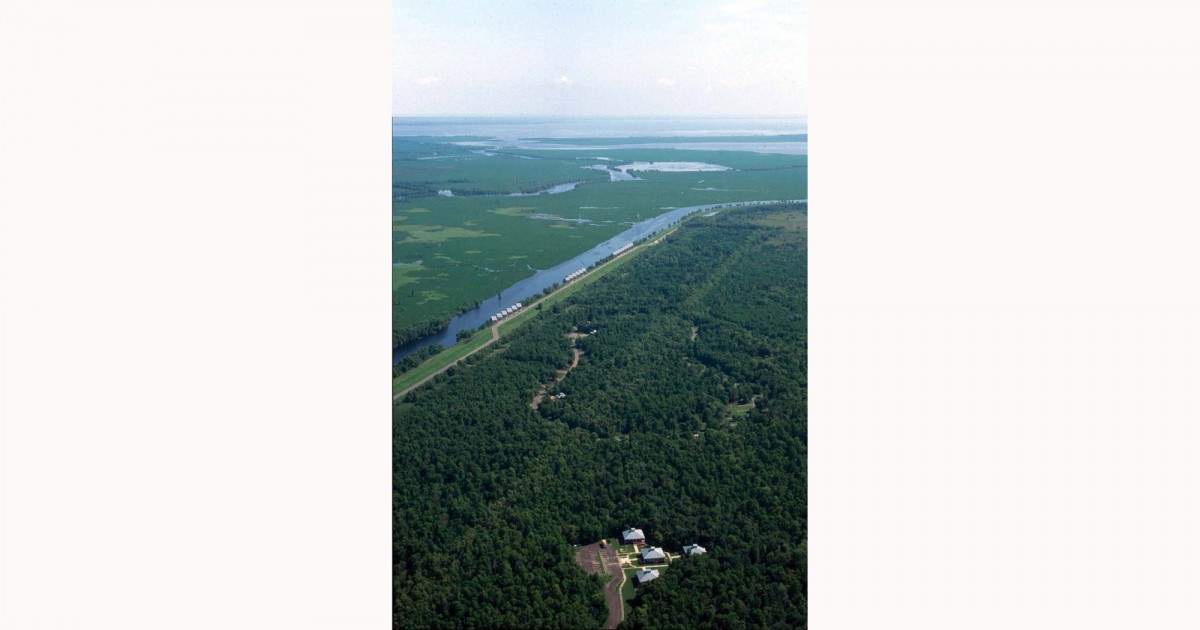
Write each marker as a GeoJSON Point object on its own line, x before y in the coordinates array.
{"type": "Point", "coordinates": [599, 57]}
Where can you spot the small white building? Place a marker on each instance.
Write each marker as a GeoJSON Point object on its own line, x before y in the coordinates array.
{"type": "Point", "coordinates": [633, 536]}
{"type": "Point", "coordinates": [646, 576]}
{"type": "Point", "coordinates": [653, 554]}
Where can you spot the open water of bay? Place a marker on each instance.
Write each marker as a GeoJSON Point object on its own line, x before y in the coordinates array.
{"type": "Point", "coordinates": [516, 132]}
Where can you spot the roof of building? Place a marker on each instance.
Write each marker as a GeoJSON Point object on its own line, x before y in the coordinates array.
{"type": "Point", "coordinates": [694, 550]}
{"type": "Point", "coordinates": [653, 553]}
{"type": "Point", "coordinates": [646, 576]}
{"type": "Point", "coordinates": [633, 534]}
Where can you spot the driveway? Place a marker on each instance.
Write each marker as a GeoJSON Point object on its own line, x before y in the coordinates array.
{"type": "Point", "coordinates": [586, 557]}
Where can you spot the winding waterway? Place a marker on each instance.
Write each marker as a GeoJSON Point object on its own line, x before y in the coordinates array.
{"type": "Point", "coordinates": [544, 278]}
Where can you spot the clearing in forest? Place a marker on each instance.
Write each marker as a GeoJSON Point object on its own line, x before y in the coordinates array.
{"type": "Point", "coordinates": [587, 557]}
{"type": "Point", "coordinates": [559, 374]}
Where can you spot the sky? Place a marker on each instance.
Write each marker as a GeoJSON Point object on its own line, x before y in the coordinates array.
{"type": "Point", "coordinates": [599, 58]}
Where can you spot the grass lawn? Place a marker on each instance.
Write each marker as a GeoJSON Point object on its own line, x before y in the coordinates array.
{"type": "Point", "coordinates": [740, 410]}
{"type": "Point", "coordinates": [627, 588]}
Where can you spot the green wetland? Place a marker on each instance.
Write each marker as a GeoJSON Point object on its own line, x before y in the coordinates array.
{"type": "Point", "coordinates": [450, 252]}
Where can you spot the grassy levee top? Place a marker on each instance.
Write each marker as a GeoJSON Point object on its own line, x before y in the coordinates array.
{"type": "Point", "coordinates": [449, 252]}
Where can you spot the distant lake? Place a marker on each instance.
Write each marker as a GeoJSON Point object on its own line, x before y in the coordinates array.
{"type": "Point", "coordinates": [516, 132]}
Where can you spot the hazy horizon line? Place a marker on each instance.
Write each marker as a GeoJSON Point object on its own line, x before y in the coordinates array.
{"type": "Point", "coordinates": [560, 116]}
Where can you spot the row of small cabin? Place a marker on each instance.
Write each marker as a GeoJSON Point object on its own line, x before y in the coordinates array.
{"type": "Point", "coordinates": [506, 312]}
{"type": "Point", "coordinates": [622, 249]}
{"type": "Point", "coordinates": [574, 274]}
{"type": "Point", "coordinates": [652, 555]}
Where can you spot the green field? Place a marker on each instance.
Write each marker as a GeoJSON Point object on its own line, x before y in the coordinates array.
{"type": "Point", "coordinates": [457, 250]}
{"type": "Point", "coordinates": [740, 410]}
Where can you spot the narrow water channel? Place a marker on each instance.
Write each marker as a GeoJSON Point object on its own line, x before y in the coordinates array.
{"type": "Point", "coordinates": [543, 278]}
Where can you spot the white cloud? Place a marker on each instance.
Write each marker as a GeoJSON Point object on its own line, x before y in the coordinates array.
{"type": "Point", "coordinates": [741, 8]}
{"type": "Point", "coordinates": [720, 28]}
{"type": "Point", "coordinates": [752, 52]}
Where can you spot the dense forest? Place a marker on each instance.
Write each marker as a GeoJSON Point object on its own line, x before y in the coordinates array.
{"type": "Point", "coordinates": [686, 417]}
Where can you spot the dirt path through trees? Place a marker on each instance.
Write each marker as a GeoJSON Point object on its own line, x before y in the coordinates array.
{"type": "Point", "coordinates": [541, 395]}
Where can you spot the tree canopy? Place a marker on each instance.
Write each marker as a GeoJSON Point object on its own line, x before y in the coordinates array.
{"type": "Point", "coordinates": [686, 417]}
